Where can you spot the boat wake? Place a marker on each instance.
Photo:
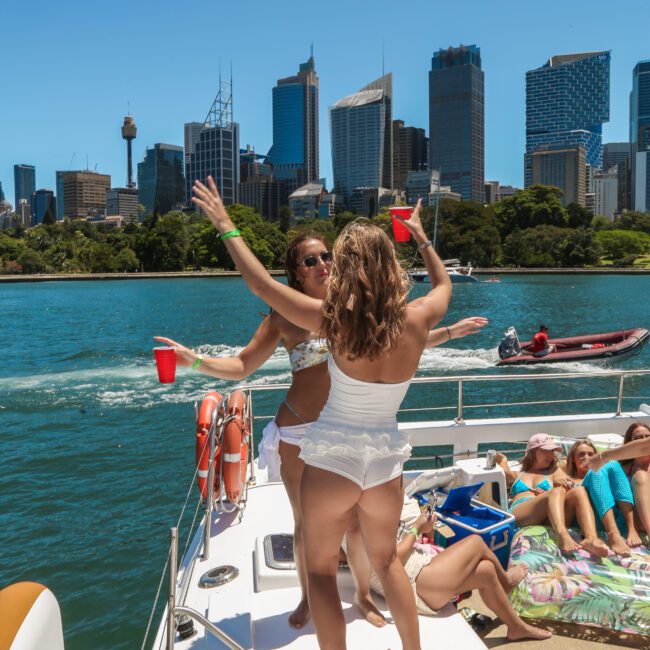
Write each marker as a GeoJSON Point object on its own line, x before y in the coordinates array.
{"type": "Point", "coordinates": [451, 360]}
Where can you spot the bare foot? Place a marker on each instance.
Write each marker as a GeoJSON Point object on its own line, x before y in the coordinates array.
{"type": "Point", "coordinates": [567, 543]}
{"type": "Point", "coordinates": [370, 611]}
{"type": "Point", "coordinates": [596, 547]}
{"type": "Point", "coordinates": [525, 631]}
{"type": "Point", "coordinates": [633, 538]}
{"type": "Point", "coordinates": [516, 574]}
{"type": "Point", "coordinates": [617, 544]}
{"type": "Point", "coordinates": [299, 617]}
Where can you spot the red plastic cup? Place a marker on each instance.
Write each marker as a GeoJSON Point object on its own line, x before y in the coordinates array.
{"type": "Point", "coordinates": [400, 231]}
{"type": "Point", "coordinates": [166, 364]}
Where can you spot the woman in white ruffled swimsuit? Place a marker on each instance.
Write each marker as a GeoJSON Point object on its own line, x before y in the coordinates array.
{"type": "Point", "coordinates": [307, 267]}
{"type": "Point", "coordinates": [354, 452]}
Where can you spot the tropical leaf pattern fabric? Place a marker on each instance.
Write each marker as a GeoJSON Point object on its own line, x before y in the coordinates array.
{"type": "Point", "coordinates": [612, 592]}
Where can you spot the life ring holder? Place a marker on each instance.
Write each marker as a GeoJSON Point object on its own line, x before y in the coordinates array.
{"type": "Point", "coordinates": [221, 489]}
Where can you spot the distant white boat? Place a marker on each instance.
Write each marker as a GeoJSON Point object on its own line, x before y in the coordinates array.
{"type": "Point", "coordinates": [457, 273]}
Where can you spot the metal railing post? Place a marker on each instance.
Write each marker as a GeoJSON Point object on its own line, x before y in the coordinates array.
{"type": "Point", "coordinates": [251, 447]}
{"type": "Point", "coordinates": [171, 603]}
{"type": "Point", "coordinates": [619, 403]}
{"type": "Point", "coordinates": [210, 491]}
{"type": "Point", "coordinates": [459, 416]}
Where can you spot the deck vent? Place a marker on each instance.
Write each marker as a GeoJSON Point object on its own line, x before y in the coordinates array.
{"type": "Point", "coordinates": [218, 576]}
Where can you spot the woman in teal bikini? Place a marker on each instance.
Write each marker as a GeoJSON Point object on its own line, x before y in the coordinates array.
{"type": "Point", "coordinates": [538, 497]}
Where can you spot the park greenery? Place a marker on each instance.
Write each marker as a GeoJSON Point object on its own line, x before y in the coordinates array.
{"type": "Point", "coordinates": [530, 229]}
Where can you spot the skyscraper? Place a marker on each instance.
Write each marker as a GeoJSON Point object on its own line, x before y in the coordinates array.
{"type": "Point", "coordinates": [563, 167]}
{"type": "Point", "coordinates": [161, 182]}
{"type": "Point", "coordinates": [410, 152]}
{"type": "Point", "coordinates": [567, 102]}
{"type": "Point", "coordinates": [60, 209]}
{"type": "Point", "coordinates": [25, 184]}
{"type": "Point", "coordinates": [457, 120]}
{"type": "Point", "coordinates": [2, 194]}
{"type": "Point", "coordinates": [295, 125]}
{"type": "Point", "coordinates": [640, 136]}
{"type": "Point", "coordinates": [214, 149]}
{"type": "Point", "coordinates": [43, 201]}
{"type": "Point", "coordinates": [617, 154]}
{"type": "Point", "coordinates": [84, 193]}
{"type": "Point", "coordinates": [360, 130]}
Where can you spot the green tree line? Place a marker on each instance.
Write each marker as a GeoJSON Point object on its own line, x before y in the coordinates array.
{"type": "Point", "coordinates": [529, 229]}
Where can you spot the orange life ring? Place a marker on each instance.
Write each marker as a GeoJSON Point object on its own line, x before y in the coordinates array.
{"type": "Point", "coordinates": [203, 422]}
{"type": "Point", "coordinates": [235, 447]}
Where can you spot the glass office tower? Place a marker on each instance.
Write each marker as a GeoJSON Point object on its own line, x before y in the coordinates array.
{"type": "Point", "coordinates": [640, 136]}
{"type": "Point", "coordinates": [161, 182]}
{"type": "Point", "coordinates": [361, 136]}
{"type": "Point", "coordinates": [567, 102]}
{"type": "Point", "coordinates": [43, 201]}
{"type": "Point", "coordinates": [295, 124]}
{"type": "Point", "coordinates": [457, 120]}
{"type": "Point", "coordinates": [25, 185]}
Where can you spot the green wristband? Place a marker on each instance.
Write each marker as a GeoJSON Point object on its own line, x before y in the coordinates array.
{"type": "Point", "coordinates": [197, 363]}
{"type": "Point", "coordinates": [414, 531]}
{"type": "Point", "coordinates": [230, 233]}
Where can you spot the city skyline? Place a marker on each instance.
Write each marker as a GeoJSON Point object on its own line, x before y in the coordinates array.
{"type": "Point", "coordinates": [59, 134]}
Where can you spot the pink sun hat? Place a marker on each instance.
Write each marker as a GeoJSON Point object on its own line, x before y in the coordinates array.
{"type": "Point", "coordinates": [542, 441]}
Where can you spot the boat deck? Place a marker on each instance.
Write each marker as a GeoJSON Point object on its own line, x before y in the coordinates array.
{"type": "Point", "coordinates": [254, 612]}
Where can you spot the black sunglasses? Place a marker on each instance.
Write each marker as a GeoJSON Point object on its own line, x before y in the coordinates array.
{"type": "Point", "coordinates": [311, 260]}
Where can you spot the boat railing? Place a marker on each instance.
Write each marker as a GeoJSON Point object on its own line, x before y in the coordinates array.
{"type": "Point", "coordinates": [175, 610]}
{"type": "Point", "coordinates": [462, 381]}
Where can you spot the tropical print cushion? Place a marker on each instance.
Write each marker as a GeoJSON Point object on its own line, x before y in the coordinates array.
{"type": "Point", "coordinates": [612, 592]}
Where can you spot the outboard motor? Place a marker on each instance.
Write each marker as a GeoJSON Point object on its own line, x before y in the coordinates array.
{"type": "Point", "coordinates": [509, 346]}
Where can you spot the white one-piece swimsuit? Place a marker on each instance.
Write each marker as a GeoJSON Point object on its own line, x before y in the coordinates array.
{"type": "Point", "coordinates": [356, 434]}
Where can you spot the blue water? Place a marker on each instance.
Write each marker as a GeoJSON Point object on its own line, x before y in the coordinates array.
{"type": "Point", "coordinates": [97, 455]}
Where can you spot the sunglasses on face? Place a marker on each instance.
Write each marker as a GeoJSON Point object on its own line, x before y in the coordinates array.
{"type": "Point", "coordinates": [312, 260]}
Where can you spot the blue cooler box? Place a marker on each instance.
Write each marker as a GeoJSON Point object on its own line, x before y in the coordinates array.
{"type": "Point", "coordinates": [466, 516]}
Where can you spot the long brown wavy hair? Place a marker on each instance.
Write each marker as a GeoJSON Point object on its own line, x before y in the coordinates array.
{"type": "Point", "coordinates": [291, 258]}
{"type": "Point", "coordinates": [628, 438]}
{"type": "Point", "coordinates": [571, 468]}
{"type": "Point", "coordinates": [364, 313]}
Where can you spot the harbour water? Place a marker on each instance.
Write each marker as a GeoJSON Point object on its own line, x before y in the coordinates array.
{"type": "Point", "coordinates": [97, 455]}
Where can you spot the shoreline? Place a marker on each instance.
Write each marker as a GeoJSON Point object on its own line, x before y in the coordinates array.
{"type": "Point", "coordinates": [164, 275]}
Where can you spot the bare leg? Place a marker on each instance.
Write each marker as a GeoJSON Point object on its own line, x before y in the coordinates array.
{"type": "Point", "coordinates": [327, 504]}
{"type": "Point", "coordinates": [641, 489]}
{"type": "Point", "coordinates": [463, 567]}
{"type": "Point", "coordinates": [291, 471]}
{"type": "Point", "coordinates": [577, 505]}
{"type": "Point", "coordinates": [614, 537]}
{"type": "Point", "coordinates": [547, 506]}
{"type": "Point", "coordinates": [627, 510]}
{"type": "Point", "coordinates": [379, 510]}
{"type": "Point", "coordinates": [360, 568]}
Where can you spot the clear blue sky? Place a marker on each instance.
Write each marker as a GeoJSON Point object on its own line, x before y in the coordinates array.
{"type": "Point", "coordinates": [68, 69]}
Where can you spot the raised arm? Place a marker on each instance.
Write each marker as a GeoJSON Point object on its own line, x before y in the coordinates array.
{"type": "Point", "coordinates": [238, 367]}
{"type": "Point", "coordinates": [458, 330]}
{"type": "Point", "coordinates": [632, 449]}
{"type": "Point", "coordinates": [434, 305]}
{"type": "Point", "coordinates": [295, 306]}
{"type": "Point", "coordinates": [502, 462]}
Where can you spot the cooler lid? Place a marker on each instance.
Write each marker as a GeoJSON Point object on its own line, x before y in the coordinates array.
{"type": "Point", "coordinates": [459, 497]}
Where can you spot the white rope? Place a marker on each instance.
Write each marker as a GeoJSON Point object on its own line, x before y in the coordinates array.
{"type": "Point", "coordinates": [155, 602]}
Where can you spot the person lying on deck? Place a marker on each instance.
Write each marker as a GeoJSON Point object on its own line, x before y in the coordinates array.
{"type": "Point", "coordinates": [438, 575]}
{"type": "Point", "coordinates": [537, 501]}
{"type": "Point", "coordinates": [609, 491]}
{"type": "Point", "coordinates": [637, 450]}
